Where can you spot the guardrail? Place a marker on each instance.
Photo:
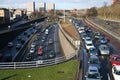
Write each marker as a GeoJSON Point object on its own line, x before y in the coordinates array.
{"type": "Point", "coordinates": [117, 21]}
{"type": "Point", "coordinates": [34, 64]}
{"type": "Point", "coordinates": [75, 43]}
{"type": "Point", "coordinates": [105, 30]}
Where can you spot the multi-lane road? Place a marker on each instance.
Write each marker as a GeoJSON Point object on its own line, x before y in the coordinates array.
{"type": "Point", "coordinates": [20, 49]}
{"type": "Point", "coordinates": [105, 67]}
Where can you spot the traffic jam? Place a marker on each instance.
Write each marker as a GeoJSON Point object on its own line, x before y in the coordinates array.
{"type": "Point", "coordinates": [101, 61]}
{"type": "Point", "coordinates": [35, 43]}
{"type": "Point", "coordinates": [42, 46]}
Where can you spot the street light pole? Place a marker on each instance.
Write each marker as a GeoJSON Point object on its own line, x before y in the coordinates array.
{"type": "Point", "coordinates": [64, 11]}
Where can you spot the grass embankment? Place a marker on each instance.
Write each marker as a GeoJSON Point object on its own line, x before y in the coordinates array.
{"type": "Point", "coordinates": [69, 28]}
{"type": "Point", "coordinates": [64, 71]}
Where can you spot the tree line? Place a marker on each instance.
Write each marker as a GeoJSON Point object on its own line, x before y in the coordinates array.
{"type": "Point", "coordinates": [110, 12]}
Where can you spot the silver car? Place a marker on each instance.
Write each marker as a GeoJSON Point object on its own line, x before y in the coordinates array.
{"type": "Point", "coordinates": [94, 61]}
{"type": "Point", "coordinates": [104, 50]}
{"type": "Point", "coordinates": [93, 74]}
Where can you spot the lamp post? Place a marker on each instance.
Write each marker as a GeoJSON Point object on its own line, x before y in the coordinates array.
{"type": "Point", "coordinates": [64, 11]}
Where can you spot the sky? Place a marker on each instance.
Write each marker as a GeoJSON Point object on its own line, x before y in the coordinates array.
{"type": "Point", "coordinates": [59, 4]}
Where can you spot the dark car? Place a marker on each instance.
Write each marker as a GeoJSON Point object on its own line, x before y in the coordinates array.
{"type": "Point", "coordinates": [103, 40]}
{"type": "Point", "coordinates": [8, 58]}
{"type": "Point", "coordinates": [10, 44]}
{"type": "Point", "coordinates": [92, 52]}
{"type": "Point", "coordinates": [28, 57]}
{"type": "Point", "coordinates": [19, 38]}
{"type": "Point", "coordinates": [18, 46]}
{"type": "Point", "coordinates": [51, 54]}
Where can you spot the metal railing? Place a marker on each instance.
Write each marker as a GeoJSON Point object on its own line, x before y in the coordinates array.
{"type": "Point", "coordinates": [75, 43]}
{"type": "Point", "coordinates": [34, 64]}
{"type": "Point", "coordinates": [106, 30]}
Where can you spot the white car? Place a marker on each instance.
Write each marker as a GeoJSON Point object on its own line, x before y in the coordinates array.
{"type": "Point", "coordinates": [88, 40]}
{"type": "Point", "coordinates": [88, 46]}
{"type": "Point", "coordinates": [33, 45]}
{"type": "Point", "coordinates": [93, 74]}
{"type": "Point", "coordinates": [104, 50]}
{"type": "Point", "coordinates": [32, 50]}
{"type": "Point", "coordinates": [116, 72]}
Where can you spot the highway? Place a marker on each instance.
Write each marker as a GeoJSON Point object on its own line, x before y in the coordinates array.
{"type": "Point", "coordinates": [10, 52]}
{"type": "Point", "coordinates": [49, 43]}
{"type": "Point", "coordinates": [105, 69]}
{"type": "Point", "coordinates": [43, 41]}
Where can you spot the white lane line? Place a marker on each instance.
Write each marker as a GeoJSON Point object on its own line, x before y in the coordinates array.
{"type": "Point", "coordinates": [108, 76]}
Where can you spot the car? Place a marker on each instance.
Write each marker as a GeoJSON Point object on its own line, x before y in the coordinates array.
{"type": "Point", "coordinates": [94, 61]}
{"type": "Point", "coordinates": [7, 58]}
{"type": "Point", "coordinates": [88, 40]}
{"type": "Point", "coordinates": [115, 60]}
{"type": "Point", "coordinates": [25, 33]}
{"type": "Point", "coordinates": [88, 46]}
{"type": "Point", "coordinates": [84, 35]}
{"type": "Point", "coordinates": [18, 46]}
{"type": "Point", "coordinates": [102, 40]}
{"type": "Point", "coordinates": [92, 52]}
{"type": "Point", "coordinates": [96, 35]}
{"type": "Point", "coordinates": [50, 41]}
{"type": "Point", "coordinates": [33, 44]}
{"type": "Point", "coordinates": [19, 38]}
{"type": "Point", "coordinates": [32, 50]}
{"type": "Point", "coordinates": [10, 44]}
{"type": "Point", "coordinates": [104, 50]}
{"type": "Point", "coordinates": [28, 57]}
{"type": "Point", "coordinates": [23, 40]}
{"type": "Point", "coordinates": [93, 74]}
{"type": "Point", "coordinates": [50, 54]}
{"type": "Point", "coordinates": [40, 51]}
{"type": "Point", "coordinates": [116, 72]}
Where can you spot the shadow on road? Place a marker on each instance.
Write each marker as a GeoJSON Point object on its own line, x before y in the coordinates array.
{"type": "Point", "coordinates": [6, 78]}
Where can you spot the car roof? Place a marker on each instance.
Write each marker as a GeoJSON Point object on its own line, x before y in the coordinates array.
{"type": "Point", "coordinates": [93, 57]}
{"type": "Point", "coordinates": [102, 45]}
{"type": "Point", "coordinates": [117, 67]}
{"type": "Point", "coordinates": [117, 56]}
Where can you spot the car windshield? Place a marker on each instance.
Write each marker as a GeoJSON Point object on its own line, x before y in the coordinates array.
{"type": "Point", "coordinates": [104, 48]}
{"type": "Point", "coordinates": [94, 61]}
{"type": "Point", "coordinates": [117, 72]}
{"type": "Point", "coordinates": [93, 75]}
{"type": "Point", "coordinates": [89, 45]}
{"type": "Point", "coordinates": [117, 59]}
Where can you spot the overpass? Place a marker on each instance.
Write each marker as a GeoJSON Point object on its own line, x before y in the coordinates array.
{"type": "Point", "coordinates": [9, 34]}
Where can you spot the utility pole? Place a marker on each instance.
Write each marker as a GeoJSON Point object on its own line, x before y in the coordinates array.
{"type": "Point", "coordinates": [64, 11]}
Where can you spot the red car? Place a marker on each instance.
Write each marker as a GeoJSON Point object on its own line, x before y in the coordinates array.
{"type": "Point", "coordinates": [115, 60]}
{"type": "Point", "coordinates": [40, 51]}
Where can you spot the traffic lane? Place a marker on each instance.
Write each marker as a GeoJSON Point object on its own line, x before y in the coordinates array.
{"type": "Point", "coordinates": [56, 41]}
{"type": "Point", "coordinates": [34, 56]}
{"type": "Point", "coordinates": [105, 67]}
{"type": "Point", "coordinates": [113, 41]}
{"type": "Point", "coordinates": [14, 51]}
{"type": "Point", "coordinates": [43, 43]}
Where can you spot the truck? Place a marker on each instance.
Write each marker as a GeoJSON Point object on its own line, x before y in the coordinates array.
{"type": "Point", "coordinates": [46, 31]}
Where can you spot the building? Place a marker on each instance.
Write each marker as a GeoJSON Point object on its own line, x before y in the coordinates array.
{"type": "Point", "coordinates": [51, 6]}
{"type": "Point", "coordinates": [115, 1]}
{"type": "Point", "coordinates": [30, 7]}
{"type": "Point", "coordinates": [4, 15]}
{"type": "Point", "coordinates": [18, 13]}
{"type": "Point", "coordinates": [42, 7]}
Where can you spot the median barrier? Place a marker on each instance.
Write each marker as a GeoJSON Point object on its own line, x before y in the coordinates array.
{"type": "Point", "coordinates": [75, 43]}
